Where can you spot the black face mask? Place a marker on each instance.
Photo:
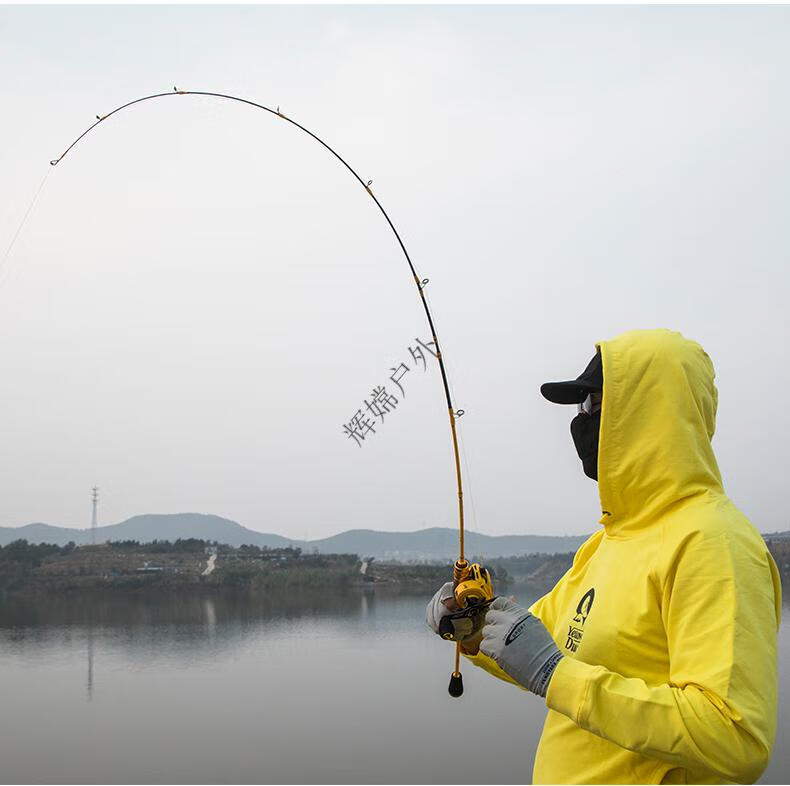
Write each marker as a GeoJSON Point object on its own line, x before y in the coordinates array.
{"type": "Point", "coordinates": [585, 430]}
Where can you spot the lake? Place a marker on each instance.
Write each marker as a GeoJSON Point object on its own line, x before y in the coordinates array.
{"type": "Point", "coordinates": [333, 688]}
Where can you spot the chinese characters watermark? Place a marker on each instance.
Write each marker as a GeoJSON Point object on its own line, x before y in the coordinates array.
{"type": "Point", "coordinates": [381, 402]}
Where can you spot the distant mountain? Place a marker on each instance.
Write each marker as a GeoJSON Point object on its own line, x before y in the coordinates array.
{"type": "Point", "coordinates": [441, 543]}
{"type": "Point", "coordinates": [428, 544]}
{"type": "Point", "coordinates": [150, 527]}
{"type": "Point", "coordinates": [436, 543]}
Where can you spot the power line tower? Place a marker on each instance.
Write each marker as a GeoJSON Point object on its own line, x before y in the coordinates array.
{"type": "Point", "coordinates": [95, 518]}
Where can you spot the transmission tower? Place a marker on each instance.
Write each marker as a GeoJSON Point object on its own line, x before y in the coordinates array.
{"type": "Point", "coordinates": [95, 517]}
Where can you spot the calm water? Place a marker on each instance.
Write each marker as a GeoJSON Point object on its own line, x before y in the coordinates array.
{"type": "Point", "coordinates": [342, 688]}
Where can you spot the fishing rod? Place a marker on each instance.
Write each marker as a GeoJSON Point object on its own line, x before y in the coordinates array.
{"type": "Point", "coordinates": [466, 577]}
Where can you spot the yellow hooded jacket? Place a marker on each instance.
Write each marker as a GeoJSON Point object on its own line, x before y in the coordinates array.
{"type": "Point", "coordinates": [668, 616]}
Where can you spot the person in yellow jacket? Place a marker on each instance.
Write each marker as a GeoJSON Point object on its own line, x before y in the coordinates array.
{"type": "Point", "coordinates": [657, 651]}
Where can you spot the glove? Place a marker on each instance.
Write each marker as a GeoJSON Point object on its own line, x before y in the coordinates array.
{"type": "Point", "coordinates": [443, 605]}
{"type": "Point", "coordinates": [520, 645]}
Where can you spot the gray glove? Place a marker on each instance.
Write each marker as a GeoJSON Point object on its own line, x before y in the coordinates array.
{"type": "Point", "coordinates": [520, 644]}
{"type": "Point", "coordinates": [443, 604]}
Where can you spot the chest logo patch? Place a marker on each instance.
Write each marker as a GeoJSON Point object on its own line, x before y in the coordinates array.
{"type": "Point", "coordinates": [576, 628]}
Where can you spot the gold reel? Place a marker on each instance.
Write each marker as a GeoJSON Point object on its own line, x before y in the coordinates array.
{"type": "Point", "coordinates": [472, 584]}
{"type": "Point", "coordinates": [472, 587]}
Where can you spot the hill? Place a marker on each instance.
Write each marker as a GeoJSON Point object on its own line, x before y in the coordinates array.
{"type": "Point", "coordinates": [441, 543]}
{"type": "Point", "coordinates": [150, 527]}
{"type": "Point", "coordinates": [428, 544]}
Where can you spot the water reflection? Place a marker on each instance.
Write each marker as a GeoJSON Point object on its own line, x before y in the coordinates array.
{"type": "Point", "coordinates": [90, 662]}
{"type": "Point", "coordinates": [189, 627]}
{"type": "Point", "coordinates": [318, 687]}
{"type": "Point", "coordinates": [138, 609]}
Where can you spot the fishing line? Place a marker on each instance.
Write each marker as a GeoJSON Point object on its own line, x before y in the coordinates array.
{"type": "Point", "coordinates": [464, 452]}
{"type": "Point", "coordinates": [471, 495]}
{"type": "Point", "coordinates": [3, 268]}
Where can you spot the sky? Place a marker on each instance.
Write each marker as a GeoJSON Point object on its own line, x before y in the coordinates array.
{"type": "Point", "coordinates": [202, 296]}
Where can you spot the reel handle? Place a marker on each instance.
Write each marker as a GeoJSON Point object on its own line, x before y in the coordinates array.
{"type": "Point", "coordinates": [446, 628]}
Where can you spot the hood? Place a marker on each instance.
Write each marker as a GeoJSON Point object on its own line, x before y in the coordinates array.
{"type": "Point", "coordinates": [657, 421]}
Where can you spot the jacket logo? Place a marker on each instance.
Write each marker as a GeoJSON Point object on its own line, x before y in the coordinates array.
{"type": "Point", "coordinates": [576, 630]}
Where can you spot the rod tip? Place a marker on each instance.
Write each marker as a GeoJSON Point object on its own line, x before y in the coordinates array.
{"type": "Point", "coordinates": [456, 686]}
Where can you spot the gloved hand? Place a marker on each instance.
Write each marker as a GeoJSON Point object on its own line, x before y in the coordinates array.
{"type": "Point", "coordinates": [520, 644]}
{"type": "Point", "coordinates": [442, 605]}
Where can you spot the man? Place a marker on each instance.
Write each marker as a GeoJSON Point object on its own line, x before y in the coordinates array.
{"type": "Point", "coordinates": [656, 651]}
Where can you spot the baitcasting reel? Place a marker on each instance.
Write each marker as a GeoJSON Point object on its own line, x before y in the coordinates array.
{"type": "Point", "coordinates": [474, 593]}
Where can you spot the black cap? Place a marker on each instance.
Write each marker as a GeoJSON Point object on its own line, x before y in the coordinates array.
{"type": "Point", "coordinates": [574, 391]}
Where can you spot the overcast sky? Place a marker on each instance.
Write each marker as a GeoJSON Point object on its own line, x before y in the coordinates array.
{"type": "Point", "coordinates": [202, 296]}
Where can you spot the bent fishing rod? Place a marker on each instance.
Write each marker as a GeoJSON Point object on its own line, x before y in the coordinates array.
{"type": "Point", "coordinates": [466, 577]}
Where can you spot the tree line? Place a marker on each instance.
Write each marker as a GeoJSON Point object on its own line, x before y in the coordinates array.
{"type": "Point", "coordinates": [33, 554]}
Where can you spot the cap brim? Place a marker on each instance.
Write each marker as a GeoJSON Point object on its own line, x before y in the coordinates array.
{"type": "Point", "coordinates": [571, 392]}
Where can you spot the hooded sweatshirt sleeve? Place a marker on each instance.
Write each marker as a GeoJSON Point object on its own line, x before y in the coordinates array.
{"type": "Point", "coordinates": [720, 608]}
